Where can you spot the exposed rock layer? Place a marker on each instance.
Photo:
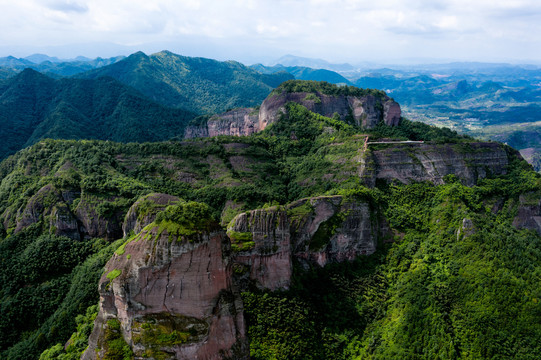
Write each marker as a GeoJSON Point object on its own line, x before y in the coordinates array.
{"type": "Point", "coordinates": [366, 111]}
{"type": "Point", "coordinates": [182, 278]}
{"type": "Point", "coordinates": [191, 285]}
{"type": "Point", "coordinates": [313, 231]}
{"type": "Point", "coordinates": [431, 162]}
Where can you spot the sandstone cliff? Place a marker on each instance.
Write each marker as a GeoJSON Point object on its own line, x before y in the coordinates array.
{"type": "Point", "coordinates": [171, 293]}
{"type": "Point", "coordinates": [312, 232]}
{"type": "Point", "coordinates": [237, 122]}
{"type": "Point", "coordinates": [366, 111]}
{"type": "Point", "coordinates": [529, 212]}
{"type": "Point", "coordinates": [182, 285]}
{"type": "Point", "coordinates": [432, 162]}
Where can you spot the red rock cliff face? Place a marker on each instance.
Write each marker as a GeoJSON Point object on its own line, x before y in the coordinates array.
{"type": "Point", "coordinates": [367, 111]}
{"type": "Point", "coordinates": [313, 231]}
{"type": "Point", "coordinates": [158, 283]}
{"type": "Point", "coordinates": [165, 285]}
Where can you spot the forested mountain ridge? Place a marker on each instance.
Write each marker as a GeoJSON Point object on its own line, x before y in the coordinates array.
{"type": "Point", "coordinates": [51, 66]}
{"type": "Point", "coordinates": [196, 84]}
{"type": "Point", "coordinates": [304, 73]}
{"type": "Point", "coordinates": [449, 223]}
{"type": "Point", "coordinates": [152, 98]}
{"type": "Point", "coordinates": [34, 106]}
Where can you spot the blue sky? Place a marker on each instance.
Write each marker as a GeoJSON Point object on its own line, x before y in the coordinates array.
{"type": "Point", "coordinates": [252, 31]}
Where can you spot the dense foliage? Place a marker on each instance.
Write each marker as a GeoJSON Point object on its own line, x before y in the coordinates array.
{"type": "Point", "coordinates": [326, 88]}
{"type": "Point", "coordinates": [305, 73]}
{"type": "Point", "coordinates": [34, 106]}
{"type": "Point", "coordinates": [459, 281]}
{"type": "Point", "coordinates": [197, 84]}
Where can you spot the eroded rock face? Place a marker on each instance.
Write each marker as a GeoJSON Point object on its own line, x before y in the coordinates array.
{"type": "Point", "coordinates": [529, 212]}
{"type": "Point", "coordinates": [164, 285]}
{"type": "Point", "coordinates": [95, 226]}
{"type": "Point", "coordinates": [237, 122]}
{"type": "Point", "coordinates": [366, 111]}
{"type": "Point", "coordinates": [48, 204]}
{"type": "Point", "coordinates": [430, 162]}
{"type": "Point", "coordinates": [313, 231]}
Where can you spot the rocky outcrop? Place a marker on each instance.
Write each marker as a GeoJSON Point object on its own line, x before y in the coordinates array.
{"type": "Point", "coordinates": [237, 122]}
{"type": "Point", "coordinates": [173, 298]}
{"type": "Point", "coordinates": [144, 211]}
{"type": "Point", "coordinates": [432, 162]}
{"type": "Point", "coordinates": [366, 111]}
{"type": "Point", "coordinates": [313, 232]}
{"type": "Point", "coordinates": [48, 205]}
{"type": "Point", "coordinates": [529, 212]}
{"type": "Point", "coordinates": [95, 225]}
{"type": "Point", "coordinates": [174, 292]}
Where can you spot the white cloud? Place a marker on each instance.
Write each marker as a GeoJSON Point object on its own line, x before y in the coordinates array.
{"type": "Point", "coordinates": [332, 29]}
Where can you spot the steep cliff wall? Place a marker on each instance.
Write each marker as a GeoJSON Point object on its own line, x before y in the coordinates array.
{"type": "Point", "coordinates": [432, 162]}
{"type": "Point", "coordinates": [173, 293]}
{"type": "Point", "coordinates": [313, 231]}
{"type": "Point", "coordinates": [366, 111]}
{"type": "Point", "coordinates": [237, 122]}
{"type": "Point", "coordinates": [173, 297]}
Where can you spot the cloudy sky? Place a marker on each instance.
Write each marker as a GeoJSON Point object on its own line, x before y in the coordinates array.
{"type": "Point", "coordinates": [259, 31]}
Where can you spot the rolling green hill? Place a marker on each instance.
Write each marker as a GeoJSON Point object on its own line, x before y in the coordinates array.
{"type": "Point", "coordinates": [196, 84]}
{"type": "Point", "coordinates": [34, 106]}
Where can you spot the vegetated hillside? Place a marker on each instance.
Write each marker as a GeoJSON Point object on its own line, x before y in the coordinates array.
{"type": "Point", "coordinates": [52, 66]}
{"type": "Point", "coordinates": [34, 106]}
{"type": "Point", "coordinates": [304, 73]}
{"type": "Point", "coordinates": [456, 280]}
{"type": "Point", "coordinates": [197, 84]}
{"type": "Point", "coordinates": [495, 102]}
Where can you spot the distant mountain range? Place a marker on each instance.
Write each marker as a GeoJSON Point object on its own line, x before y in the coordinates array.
{"type": "Point", "coordinates": [292, 61]}
{"type": "Point", "coordinates": [304, 73]}
{"type": "Point", "coordinates": [196, 84]}
{"type": "Point", "coordinates": [492, 101]}
{"type": "Point", "coordinates": [52, 66]}
{"type": "Point", "coordinates": [135, 99]}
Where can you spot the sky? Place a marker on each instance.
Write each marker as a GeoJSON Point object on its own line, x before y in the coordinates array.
{"type": "Point", "coordinates": [387, 31]}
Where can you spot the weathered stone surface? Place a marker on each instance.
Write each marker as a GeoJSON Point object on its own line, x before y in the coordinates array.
{"type": "Point", "coordinates": [92, 225]}
{"type": "Point", "coordinates": [430, 162]}
{"type": "Point", "coordinates": [529, 212]}
{"type": "Point", "coordinates": [366, 111]}
{"type": "Point", "coordinates": [48, 205]}
{"type": "Point", "coordinates": [188, 278]}
{"type": "Point", "coordinates": [144, 211]}
{"type": "Point", "coordinates": [237, 122]}
{"type": "Point", "coordinates": [313, 231]}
